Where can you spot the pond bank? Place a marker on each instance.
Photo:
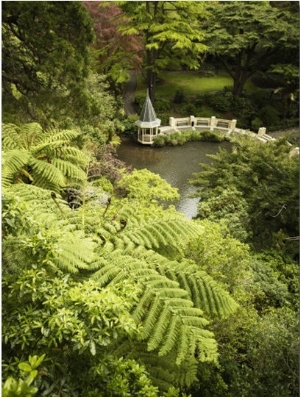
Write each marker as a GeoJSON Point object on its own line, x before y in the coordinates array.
{"type": "Point", "coordinates": [174, 164]}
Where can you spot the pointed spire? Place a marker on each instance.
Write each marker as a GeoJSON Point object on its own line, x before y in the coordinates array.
{"type": "Point", "coordinates": [148, 113]}
{"type": "Point", "coordinates": [148, 117]}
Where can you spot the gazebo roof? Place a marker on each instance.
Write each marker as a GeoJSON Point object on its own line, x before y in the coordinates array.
{"type": "Point", "coordinates": [148, 117]}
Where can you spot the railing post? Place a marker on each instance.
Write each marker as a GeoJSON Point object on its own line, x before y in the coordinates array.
{"type": "Point", "coordinates": [232, 125]}
{"type": "Point", "coordinates": [172, 122]}
{"type": "Point", "coordinates": [213, 123]}
{"type": "Point", "coordinates": [261, 131]}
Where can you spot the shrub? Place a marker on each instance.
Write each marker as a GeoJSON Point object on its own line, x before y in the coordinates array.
{"type": "Point", "coordinates": [206, 111]}
{"type": "Point", "coordinates": [212, 136]}
{"type": "Point", "coordinates": [221, 103]}
{"type": "Point", "coordinates": [139, 101]}
{"type": "Point", "coordinates": [261, 98]}
{"type": "Point", "coordinates": [190, 109]}
{"type": "Point", "coordinates": [256, 124]}
{"type": "Point", "coordinates": [162, 104]}
{"type": "Point", "coordinates": [179, 96]}
{"type": "Point", "coordinates": [200, 100]}
{"type": "Point", "coordinates": [269, 115]}
{"type": "Point", "coordinates": [159, 141]}
{"type": "Point", "coordinates": [164, 117]}
{"type": "Point", "coordinates": [176, 138]}
{"type": "Point", "coordinates": [129, 124]}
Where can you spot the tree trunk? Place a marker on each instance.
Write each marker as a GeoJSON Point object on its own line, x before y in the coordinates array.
{"type": "Point", "coordinates": [238, 86]}
{"type": "Point", "coordinates": [151, 56]}
{"type": "Point", "coordinates": [151, 84]}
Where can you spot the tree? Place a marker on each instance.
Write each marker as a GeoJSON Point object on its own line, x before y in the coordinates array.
{"type": "Point", "coordinates": [247, 37]}
{"type": "Point", "coordinates": [114, 54]}
{"type": "Point", "coordinates": [44, 159]}
{"type": "Point", "coordinates": [71, 322]}
{"type": "Point", "coordinates": [267, 179]}
{"type": "Point", "coordinates": [287, 86]}
{"type": "Point", "coordinates": [128, 241]}
{"type": "Point", "coordinates": [170, 31]}
{"type": "Point", "coordinates": [46, 68]}
{"type": "Point", "coordinates": [257, 354]}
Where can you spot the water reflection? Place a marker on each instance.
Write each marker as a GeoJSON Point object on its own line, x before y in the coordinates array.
{"type": "Point", "coordinates": [175, 164]}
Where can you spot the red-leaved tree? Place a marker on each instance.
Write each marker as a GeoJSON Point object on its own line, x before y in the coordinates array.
{"type": "Point", "coordinates": [115, 53]}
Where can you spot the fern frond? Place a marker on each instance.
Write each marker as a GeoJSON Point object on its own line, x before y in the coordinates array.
{"type": "Point", "coordinates": [69, 259]}
{"type": "Point", "coordinates": [161, 232]}
{"type": "Point", "coordinates": [13, 162]}
{"type": "Point", "coordinates": [45, 174]}
{"type": "Point", "coordinates": [164, 372]}
{"type": "Point", "coordinates": [58, 149]}
{"type": "Point", "coordinates": [10, 137]}
{"type": "Point", "coordinates": [45, 236]}
{"type": "Point", "coordinates": [206, 293]}
{"type": "Point", "coordinates": [70, 170]}
{"type": "Point", "coordinates": [29, 134]}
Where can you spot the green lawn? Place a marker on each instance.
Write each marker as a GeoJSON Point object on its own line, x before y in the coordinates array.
{"type": "Point", "coordinates": [192, 83]}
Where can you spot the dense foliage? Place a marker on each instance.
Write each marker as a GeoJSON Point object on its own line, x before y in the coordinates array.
{"type": "Point", "coordinates": [40, 70]}
{"type": "Point", "coordinates": [258, 184]}
{"type": "Point", "coordinates": [107, 290]}
{"type": "Point", "coordinates": [247, 37]}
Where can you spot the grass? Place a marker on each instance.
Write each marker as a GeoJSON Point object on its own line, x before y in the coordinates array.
{"type": "Point", "coordinates": [191, 83]}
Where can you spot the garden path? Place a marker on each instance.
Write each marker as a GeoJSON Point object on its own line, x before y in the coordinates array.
{"type": "Point", "coordinates": [129, 93]}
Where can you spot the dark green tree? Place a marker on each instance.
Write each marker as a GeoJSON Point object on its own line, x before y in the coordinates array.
{"type": "Point", "coordinates": [246, 37]}
{"type": "Point", "coordinates": [45, 57]}
{"type": "Point", "coordinates": [170, 30]}
{"type": "Point", "coordinates": [267, 179]}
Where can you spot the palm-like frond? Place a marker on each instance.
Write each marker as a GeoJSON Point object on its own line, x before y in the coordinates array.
{"type": "Point", "coordinates": [10, 137]}
{"type": "Point", "coordinates": [47, 159]}
{"type": "Point", "coordinates": [70, 170]}
{"type": "Point", "coordinates": [164, 371]}
{"type": "Point", "coordinates": [12, 162]}
{"type": "Point", "coordinates": [170, 320]}
{"type": "Point", "coordinates": [45, 237]}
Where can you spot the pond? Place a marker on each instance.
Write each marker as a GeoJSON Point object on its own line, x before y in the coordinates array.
{"type": "Point", "coordinates": [174, 164]}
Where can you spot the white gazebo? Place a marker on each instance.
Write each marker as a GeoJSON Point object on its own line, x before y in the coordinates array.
{"type": "Point", "coordinates": [148, 123]}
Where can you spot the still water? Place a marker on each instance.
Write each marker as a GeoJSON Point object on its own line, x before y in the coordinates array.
{"type": "Point", "coordinates": [174, 164]}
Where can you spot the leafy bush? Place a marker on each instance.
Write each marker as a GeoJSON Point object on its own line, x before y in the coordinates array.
{"type": "Point", "coordinates": [139, 101]}
{"type": "Point", "coordinates": [212, 136]}
{"type": "Point", "coordinates": [177, 138]}
{"type": "Point", "coordinates": [129, 126]}
{"type": "Point", "coordinates": [256, 124]}
{"type": "Point", "coordinates": [261, 97]}
{"type": "Point", "coordinates": [222, 102]}
{"type": "Point", "coordinates": [159, 141]}
{"type": "Point", "coordinates": [269, 115]}
{"type": "Point", "coordinates": [164, 117]}
{"type": "Point", "coordinates": [190, 109]}
{"type": "Point", "coordinates": [162, 104]}
{"type": "Point", "coordinates": [208, 111]}
{"type": "Point", "coordinates": [179, 96]}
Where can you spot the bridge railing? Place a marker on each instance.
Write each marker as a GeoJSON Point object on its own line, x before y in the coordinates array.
{"type": "Point", "coordinates": [211, 122]}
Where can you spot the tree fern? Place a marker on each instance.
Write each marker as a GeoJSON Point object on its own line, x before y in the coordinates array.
{"type": "Point", "coordinates": [164, 309]}
{"type": "Point", "coordinates": [170, 308]}
{"type": "Point", "coordinates": [12, 166]}
{"type": "Point", "coordinates": [46, 159]}
{"type": "Point", "coordinates": [36, 231]}
{"type": "Point", "coordinates": [175, 300]}
{"type": "Point", "coordinates": [164, 371]}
